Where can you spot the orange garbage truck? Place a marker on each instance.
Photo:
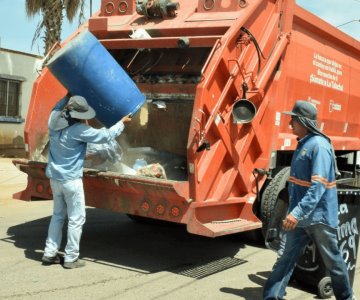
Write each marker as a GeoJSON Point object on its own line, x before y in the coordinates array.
{"type": "Point", "coordinates": [216, 76]}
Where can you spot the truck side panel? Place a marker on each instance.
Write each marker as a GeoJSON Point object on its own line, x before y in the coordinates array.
{"type": "Point", "coordinates": [321, 65]}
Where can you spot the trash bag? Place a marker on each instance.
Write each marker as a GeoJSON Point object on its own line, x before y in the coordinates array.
{"type": "Point", "coordinates": [103, 157]}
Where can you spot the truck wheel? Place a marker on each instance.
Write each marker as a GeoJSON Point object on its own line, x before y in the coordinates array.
{"type": "Point", "coordinates": [274, 204]}
{"type": "Point", "coordinates": [325, 289]}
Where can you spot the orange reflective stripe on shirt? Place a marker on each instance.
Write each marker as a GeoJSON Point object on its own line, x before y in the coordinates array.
{"type": "Point", "coordinates": [317, 178]}
{"type": "Point", "coordinates": [299, 181]}
{"type": "Point", "coordinates": [324, 181]}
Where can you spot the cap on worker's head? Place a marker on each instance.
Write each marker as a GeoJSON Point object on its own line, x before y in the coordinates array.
{"type": "Point", "coordinates": [79, 108]}
{"type": "Point", "coordinates": [303, 109]}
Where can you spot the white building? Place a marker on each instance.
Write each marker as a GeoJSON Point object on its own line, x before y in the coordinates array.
{"type": "Point", "coordinates": [18, 71]}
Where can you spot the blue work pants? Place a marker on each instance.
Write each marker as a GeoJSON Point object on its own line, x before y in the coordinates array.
{"type": "Point", "coordinates": [291, 248]}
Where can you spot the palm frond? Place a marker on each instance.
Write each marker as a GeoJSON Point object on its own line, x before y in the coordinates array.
{"type": "Point", "coordinates": [38, 30]}
{"type": "Point", "coordinates": [34, 7]}
{"type": "Point", "coordinates": [81, 13]}
{"type": "Point", "coordinates": [52, 12]}
{"type": "Point", "coordinates": [71, 8]}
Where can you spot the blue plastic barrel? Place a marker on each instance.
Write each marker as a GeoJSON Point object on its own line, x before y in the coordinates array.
{"type": "Point", "coordinates": [84, 67]}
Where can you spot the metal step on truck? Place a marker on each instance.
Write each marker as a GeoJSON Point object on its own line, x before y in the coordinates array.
{"type": "Point", "coordinates": [216, 76]}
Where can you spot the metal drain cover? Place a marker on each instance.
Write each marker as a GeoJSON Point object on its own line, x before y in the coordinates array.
{"type": "Point", "coordinates": [208, 268]}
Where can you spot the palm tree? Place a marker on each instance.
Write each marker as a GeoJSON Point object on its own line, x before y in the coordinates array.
{"type": "Point", "coordinates": [52, 18]}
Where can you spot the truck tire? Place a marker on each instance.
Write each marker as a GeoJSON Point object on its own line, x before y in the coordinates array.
{"type": "Point", "coordinates": [274, 204]}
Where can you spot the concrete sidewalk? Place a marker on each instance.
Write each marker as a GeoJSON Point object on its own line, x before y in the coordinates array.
{"type": "Point", "coordinates": [126, 260]}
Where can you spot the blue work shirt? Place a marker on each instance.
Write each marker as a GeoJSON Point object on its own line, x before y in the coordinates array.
{"type": "Point", "coordinates": [312, 183]}
{"type": "Point", "coordinates": [68, 145]}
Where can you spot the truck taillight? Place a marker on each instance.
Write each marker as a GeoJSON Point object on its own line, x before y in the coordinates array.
{"type": "Point", "coordinates": [43, 190]}
{"type": "Point", "coordinates": [113, 8]}
{"type": "Point", "coordinates": [40, 188]}
{"type": "Point", "coordinates": [145, 206]}
{"type": "Point", "coordinates": [160, 209]}
{"type": "Point", "coordinates": [175, 211]}
{"type": "Point", "coordinates": [109, 8]}
{"type": "Point", "coordinates": [123, 7]}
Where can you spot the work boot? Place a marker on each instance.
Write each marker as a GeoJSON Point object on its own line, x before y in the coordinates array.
{"type": "Point", "coordinates": [74, 264]}
{"type": "Point", "coordinates": [51, 260]}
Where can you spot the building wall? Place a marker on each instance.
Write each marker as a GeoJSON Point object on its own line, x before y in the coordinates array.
{"type": "Point", "coordinates": [21, 65]}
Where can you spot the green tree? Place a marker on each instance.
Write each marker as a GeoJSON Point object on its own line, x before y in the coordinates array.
{"type": "Point", "coordinates": [53, 12]}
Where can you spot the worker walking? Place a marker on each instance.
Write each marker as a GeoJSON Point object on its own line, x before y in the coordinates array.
{"type": "Point", "coordinates": [69, 136]}
{"type": "Point", "coordinates": [313, 207]}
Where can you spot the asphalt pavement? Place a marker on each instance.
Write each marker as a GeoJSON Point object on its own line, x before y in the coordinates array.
{"type": "Point", "coordinates": [127, 259]}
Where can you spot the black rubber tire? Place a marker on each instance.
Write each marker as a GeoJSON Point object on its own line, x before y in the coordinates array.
{"type": "Point", "coordinates": [270, 199]}
{"type": "Point", "coordinates": [325, 289]}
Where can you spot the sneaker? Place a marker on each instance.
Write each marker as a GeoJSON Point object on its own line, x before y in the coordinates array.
{"type": "Point", "coordinates": [74, 264]}
{"type": "Point", "coordinates": [51, 260]}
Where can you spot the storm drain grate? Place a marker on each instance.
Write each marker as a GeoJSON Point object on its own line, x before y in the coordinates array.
{"type": "Point", "coordinates": [209, 268]}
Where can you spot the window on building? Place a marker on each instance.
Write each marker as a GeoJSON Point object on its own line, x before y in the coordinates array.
{"type": "Point", "coordinates": [10, 100]}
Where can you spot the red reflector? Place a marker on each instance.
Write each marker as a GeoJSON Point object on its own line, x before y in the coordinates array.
{"type": "Point", "coordinates": [109, 7]}
{"type": "Point", "coordinates": [160, 209]}
{"type": "Point", "coordinates": [175, 211]}
{"type": "Point", "coordinates": [123, 6]}
{"type": "Point", "coordinates": [145, 206]}
{"type": "Point", "coordinates": [39, 187]}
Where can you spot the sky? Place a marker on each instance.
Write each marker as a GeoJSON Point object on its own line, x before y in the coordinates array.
{"type": "Point", "coordinates": [17, 30]}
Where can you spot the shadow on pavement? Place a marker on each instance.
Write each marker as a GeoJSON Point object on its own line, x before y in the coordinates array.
{"type": "Point", "coordinates": [249, 293]}
{"type": "Point", "coordinates": [260, 278]}
{"type": "Point", "coordinates": [113, 239]}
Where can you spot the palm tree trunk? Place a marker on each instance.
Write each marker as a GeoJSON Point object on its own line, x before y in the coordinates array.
{"type": "Point", "coordinates": [52, 18]}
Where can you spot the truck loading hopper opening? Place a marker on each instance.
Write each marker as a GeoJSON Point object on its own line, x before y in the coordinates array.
{"type": "Point", "coordinates": [159, 131]}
